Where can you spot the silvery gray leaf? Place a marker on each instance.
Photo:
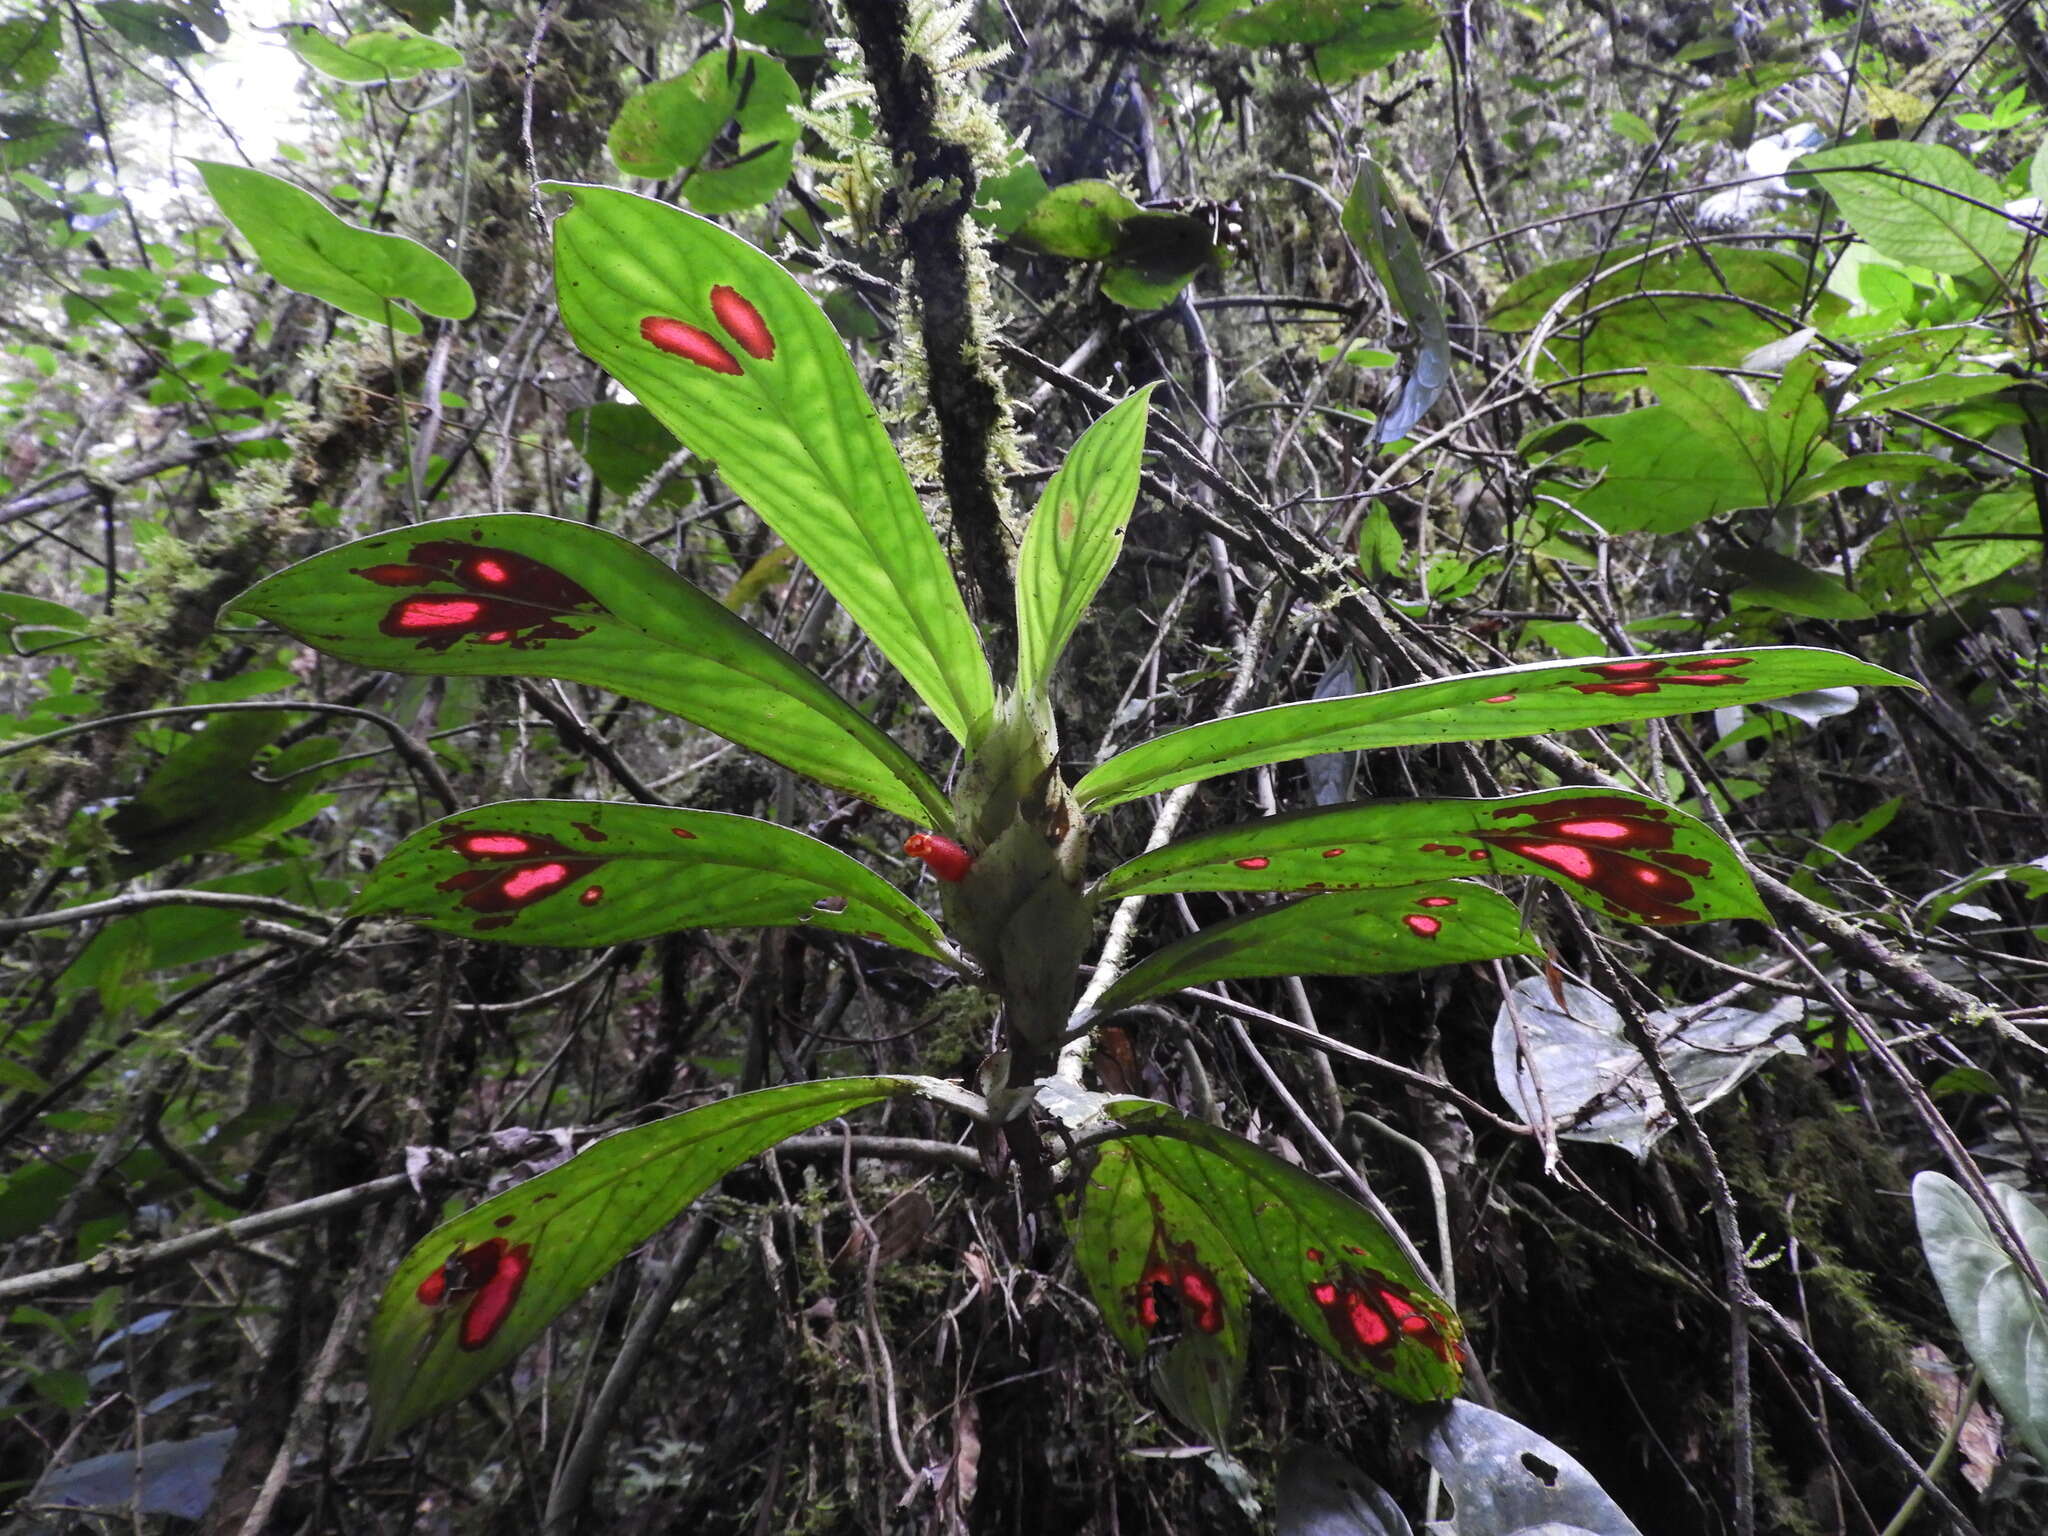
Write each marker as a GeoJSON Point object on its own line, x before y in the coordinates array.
{"type": "Point", "coordinates": [1812, 708]}
{"type": "Point", "coordinates": [1330, 774]}
{"type": "Point", "coordinates": [1596, 1085]}
{"type": "Point", "coordinates": [170, 1477]}
{"type": "Point", "coordinates": [1322, 1494]}
{"type": "Point", "coordinates": [1507, 1480]}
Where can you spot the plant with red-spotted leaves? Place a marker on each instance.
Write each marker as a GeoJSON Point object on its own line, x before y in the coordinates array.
{"type": "Point", "coordinates": [733, 356]}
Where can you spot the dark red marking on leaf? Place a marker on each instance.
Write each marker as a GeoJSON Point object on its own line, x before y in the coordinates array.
{"type": "Point", "coordinates": [504, 1221]}
{"type": "Point", "coordinates": [590, 833]}
{"type": "Point", "coordinates": [691, 343]}
{"type": "Point", "coordinates": [550, 1195]}
{"type": "Point", "coordinates": [592, 895]}
{"type": "Point", "coordinates": [493, 1304]}
{"type": "Point", "coordinates": [1448, 850]}
{"type": "Point", "coordinates": [467, 1271]}
{"type": "Point", "coordinates": [1423, 927]}
{"type": "Point", "coordinates": [1478, 853]}
{"type": "Point", "coordinates": [1176, 1285]}
{"type": "Point", "coordinates": [684, 832]}
{"type": "Point", "coordinates": [517, 869]}
{"type": "Point", "coordinates": [1333, 853]}
{"type": "Point", "coordinates": [1253, 863]}
{"type": "Point", "coordinates": [1199, 1288]}
{"type": "Point", "coordinates": [743, 322]}
{"type": "Point", "coordinates": [1499, 698]}
{"type": "Point", "coordinates": [433, 1290]}
{"type": "Point", "coordinates": [944, 857]}
{"type": "Point", "coordinates": [1315, 1255]}
{"type": "Point", "coordinates": [1619, 850]}
{"type": "Point", "coordinates": [1438, 901]}
{"type": "Point", "coordinates": [1625, 678]}
{"type": "Point", "coordinates": [513, 599]}
{"type": "Point", "coordinates": [1354, 1250]}
{"type": "Point", "coordinates": [1371, 1315]}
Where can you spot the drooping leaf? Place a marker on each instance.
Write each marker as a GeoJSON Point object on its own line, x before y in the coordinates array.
{"type": "Point", "coordinates": [674, 125]}
{"type": "Point", "coordinates": [1596, 1085]}
{"type": "Point", "coordinates": [735, 358]}
{"type": "Point", "coordinates": [517, 595]}
{"type": "Point", "coordinates": [1075, 536]}
{"type": "Point", "coordinates": [586, 872]}
{"type": "Point", "coordinates": [1507, 1480]}
{"type": "Point", "coordinates": [1923, 204]}
{"type": "Point", "coordinates": [1624, 854]}
{"type": "Point", "coordinates": [1681, 317]}
{"type": "Point", "coordinates": [1319, 1493]}
{"type": "Point", "coordinates": [1080, 220]}
{"type": "Point", "coordinates": [205, 794]}
{"type": "Point", "coordinates": [1773, 580]}
{"type": "Point", "coordinates": [623, 445]}
{"type": "Point", "coordinates": [372, 58]}
{"type": "Point", "coordinates": [1323, 1259]}
{"type": "Point", "coordinates": [1377, 227]}
{"type": "Point", "coordinates": [478, 1289]}
{"type": "Point", "coordinates": [1347, 933]}
{"type": "Point", "coordinates": [1157, 1267]}
{"type": "Point", "coordinates": [1485, 706]}
{"type": "Point", "coordinates": [313, 251]}
{"type": "Point", "coordinates": [157, 29]}
{"type": "Point", "coordinates": [2000, 1318]}
{"type": "Point", "coordinates": [1921, 562]}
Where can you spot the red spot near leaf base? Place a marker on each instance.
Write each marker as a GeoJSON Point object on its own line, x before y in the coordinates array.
{"type": "Point", "coordinates": [517, 869]}
{"type": "Point", "coordinates": [1253, 863]}
{"type": "Point", "coordinates": [743, 322]}
{"type": "Point", "coordinates": [1619, 850]}
{"type": "Point", "coordinates": [1625, 678]}
{"type": "Point", "coordinates": [507, 598]}
{"type": "Point", "coordinates": [486, 1277]}
{"type": "Point", "coordinates": [1179, 1283]}
{"type": "Point", "coordinates": [944, 857]}
{"type": "Point", "coordinates": [689, 342]}
{"type": "Point", "coordinates": [1371, 1315]}
{"type": "Point", "coordinates": [592, 895]}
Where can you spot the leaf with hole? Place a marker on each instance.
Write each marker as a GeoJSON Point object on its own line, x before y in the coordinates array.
{"type": "Point", "coordinates": [1075, 536]}
{"type": "Point", "coordinates": [1346, 933]}
{"type": "Point", "coordinates": [310, 250]}
{"type": "Point", "coordinates": [1482, 706]}
{"type": "Point", "coordinates": [1624, 854]}
{"type": "Point", "coordinates": [1162, 1276]}
{"type": "Point", "coordinates": [478, 1289]}
{"type": "Point", "coordinates": [583, 872]}
{"type": "Point", "coordinates": [1324, 1259]}
{"type": "Point", "coordinates": [515, 595]}
{"type": "Point", "coordinates": [1506, 1480]}
{"type": "Point", "coordinates": [1997, 1312]}
{"type": "Point", "coordinates": [739, 362]}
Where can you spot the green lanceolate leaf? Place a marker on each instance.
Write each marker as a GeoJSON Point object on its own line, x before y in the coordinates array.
{"type": "Point", "coordinates": [2000, 1318]}
{"type": "Point", "coordinates": [372, 58]}
{"type": "Point", "coordinates": [480, 1288]}
{"type": "Point", "coordinates": [313, 251]}
{"type": "Point", "coordinates": [1325, 1260]}
{"type": "Point", "coordinates": [1378, 229]}
{"type": "Point", "coordinates": [1347, 933]}
{"type": "Point", "coordinates": [1485, 706]}
{"type": "Point", "coordinates": [734, 357]}
{"type": "Point", "coordinates": [1158, 1268]}
{"type": "Point", "coordinates": [1624, 854]}
{"type": "Point", "coordinates": [516, 595]}
{"type": "Point", "coordinates": [585, 872]}
{"type": "Point", "coordinates": [1075, 536]}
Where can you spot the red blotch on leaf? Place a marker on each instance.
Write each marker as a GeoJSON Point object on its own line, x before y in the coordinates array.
{"type": "Point", "coordinates": [592, 895]}
{"type": "Point", "coordinates": [1438, 901]}
{"type": "Point", "coordinates": [743, 322]}
{"type": "Point", "coordinates": [942, 856]}
{"type": "Point", "coordinates": [1619, 850]}
{"type": "Point", "coordinates": [511, 598]}
{"type": "Point", "coordinates": [1499, 698]}
{"type": "Point", "coordinates": [689, 342]}
{"type": "Point", "coordinates": [684, 832]}
{"type": "Point", "coordinates": [1371, 1315]}
{"type": "Point", "coordinates": [1626, 678]}
{"type": "Point", "coordinates": [517, 869]}
{"type": "Point", "coordinates": [1423, 927]}
{"type": "Point", "coordinates": [493, 1304]}
{"type": "Point", "coordinates": [1333, 853]}
{"type": "Point", "coordinates": [1253, 863]}
{"type": "Point", "coordinates": [495, 844]}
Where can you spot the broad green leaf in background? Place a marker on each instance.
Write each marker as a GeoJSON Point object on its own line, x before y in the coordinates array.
{"type": "Point", "coordinates": [30, 623]}
{"type": "Point", "coordinates": [312, 251]}
{"type": "Point", "coordinates": [1075, 536]}
{"type": "Point", "coordinates": [1922, 561]}
{"type": "Point", "coordinates": [372, 58]}
{"type": "Point", "coordinates": [158, 29]}
{"type": "Point", "coordinates": [478, 1289]}
{"type": "Point", "coordinates": [1936, 389]}
{"type": "Point", "coordinates": [28, 49]}
{"type": "Point", "coordinates": [1997, 1313]}
{"type": "Point", "coordinates": [1693, 327]}
{"type": "Point", "coordinates": [1624, 854]}
{"type": "Point", "coordinates": [1790, 586]}
{"type": "Point", "coordinates": [673, 125]}
{"type": "Point", "coordinates": [1080, 220]}
{"type": "Point", "coordinates": [517, 595]}
{"type": "Point", "coordinates": [1345, 38]}
{"type": "Point", "coordinates": [749, 373]}
{"type": "Point", "coordinates": [1346, 933]}
{"type": "Point", "coordinates": [1867, 469]}
{"type": "Point", "coordinates": [583, 872]}
{"type": "Point", "coordinates": [623, 444]}
{"type": "Point", "coordinates": [1322, 1258]}
{"type": "Point", "coordinates": [1379, 230]}
{"type": "Point", "coordinates": [1485, 706]}
{"type": "Point", "coordinates": [1909, 201]}
{"type": "Point", "coordinates": [1158, 1267]}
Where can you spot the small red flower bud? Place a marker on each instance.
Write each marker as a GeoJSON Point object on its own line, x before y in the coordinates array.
{"type": "Point", "coordinates": [947, 859]}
